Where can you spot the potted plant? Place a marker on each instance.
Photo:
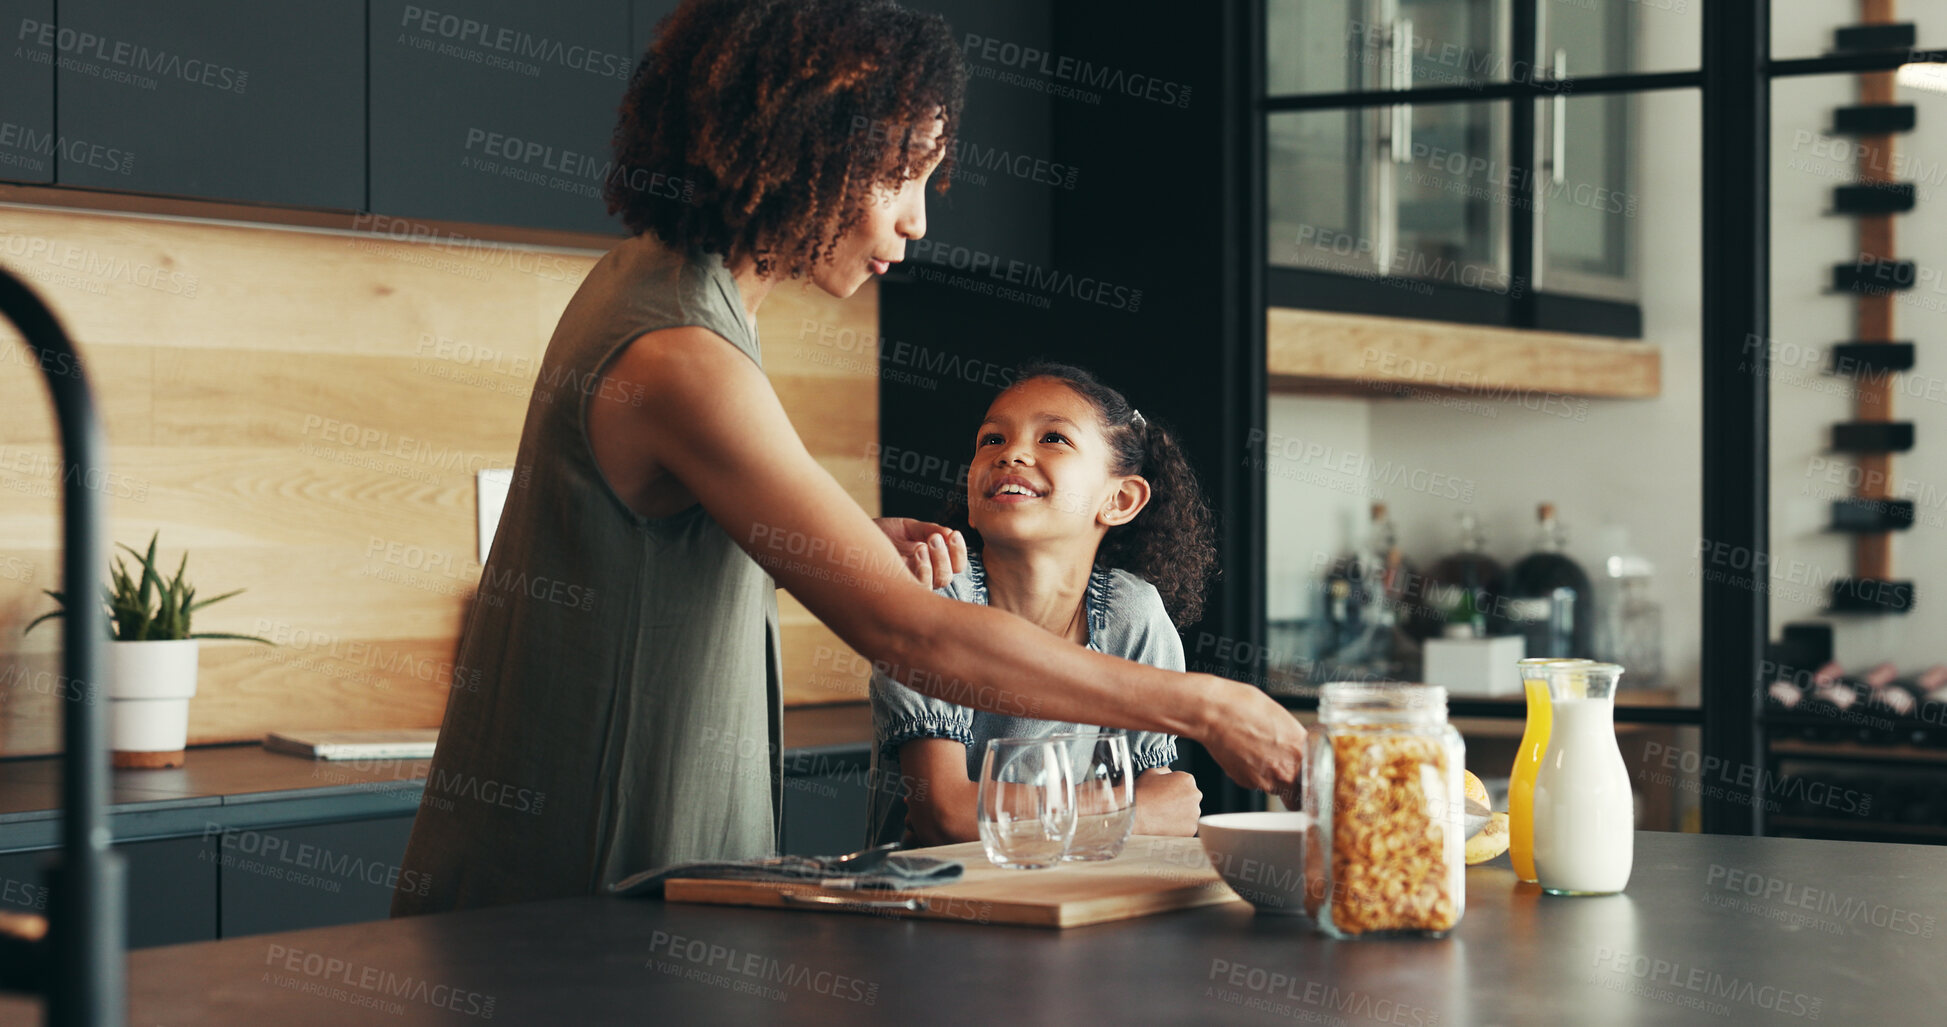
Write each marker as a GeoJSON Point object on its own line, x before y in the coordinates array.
{"type": "Point", "coordinates": [151, 673]}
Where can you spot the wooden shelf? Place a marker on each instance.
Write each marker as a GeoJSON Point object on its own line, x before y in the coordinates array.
{"type": "Point", "coordinates": [1357, 354]}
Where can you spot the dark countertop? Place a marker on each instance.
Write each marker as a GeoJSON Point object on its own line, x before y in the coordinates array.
{"type": "Point", "coordinates": [235, 786]}
{"type": "Point", "coordinates": [218, 775]}
{"type": "Point", "coordinates": [1713, 930]}
{"type": "Point", "coordinates": [154, 803]}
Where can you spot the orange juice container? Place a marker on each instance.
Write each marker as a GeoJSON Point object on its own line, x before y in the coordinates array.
{"type": "Point", "coordinates": [1527, 760]}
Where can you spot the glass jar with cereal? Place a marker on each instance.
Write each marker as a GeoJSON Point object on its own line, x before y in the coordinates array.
{"type": "Point", "coordinates": [1386, 854]}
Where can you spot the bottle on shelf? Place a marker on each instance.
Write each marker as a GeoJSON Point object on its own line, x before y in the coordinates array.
{"type": "Point", "coordinates": [1401, 588]}
{"type": "Point", "coordinates": [1344, 627]}
{"type": "Point", "coordinates": [1460, 587]}
{"type": "Point", "coordinates": [1548, 599]}
{"type": "Point", "coordinates": [1464, 619]}
{"type": "Point", "coordinates": [1629, 625]}
{"type": "Point", "coordinates": [1366, 598]}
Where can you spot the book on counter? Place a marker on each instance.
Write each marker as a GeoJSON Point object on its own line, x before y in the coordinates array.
{"type": "Point", "coordinates": [386, 743]}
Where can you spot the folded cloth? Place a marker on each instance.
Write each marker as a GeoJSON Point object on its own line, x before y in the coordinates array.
{"type": "Point", "coordinates": [880, 869]}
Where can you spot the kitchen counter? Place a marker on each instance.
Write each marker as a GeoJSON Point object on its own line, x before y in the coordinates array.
{"type": "Point", "coordinates": [244, 786]}
{"type": "Point", "coordinates": [244, 841]}
{"type": "Point", "coordinates": [232, 786]}
{"type": "Point", "coordinates": [1712, 930]}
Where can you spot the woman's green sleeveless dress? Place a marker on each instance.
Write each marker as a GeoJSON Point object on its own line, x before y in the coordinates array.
{"type": "Point", "coordinates": [616, 702]}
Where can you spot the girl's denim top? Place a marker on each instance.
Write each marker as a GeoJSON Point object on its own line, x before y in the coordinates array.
{"type": "Point", "coordinates": [1125, 618]}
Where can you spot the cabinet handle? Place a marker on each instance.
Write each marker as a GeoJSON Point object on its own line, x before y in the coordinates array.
{"type": "Point", "coordinates": [1402, 72]}
{"type": "Point", "coordinates": [1558, 162]}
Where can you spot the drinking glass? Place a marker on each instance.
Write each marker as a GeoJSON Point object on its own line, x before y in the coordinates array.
{"type": "Point", "coordinates": [1027, 802]}
{"type": "Point", "coordinates": [1105, 794]}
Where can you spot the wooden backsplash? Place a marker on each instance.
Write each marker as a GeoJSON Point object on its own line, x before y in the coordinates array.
{"type": "Point", "coordinates": [304, 411]}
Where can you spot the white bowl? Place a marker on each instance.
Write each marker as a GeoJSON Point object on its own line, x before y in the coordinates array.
{"type": "Point", "coordinates": [1261, 856]}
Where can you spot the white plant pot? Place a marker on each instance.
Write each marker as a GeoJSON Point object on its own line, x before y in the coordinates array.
{"type": "Point", "coordinates": [149, 688]}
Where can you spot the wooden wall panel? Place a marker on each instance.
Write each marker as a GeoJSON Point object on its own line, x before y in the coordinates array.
{"type": "Point", "coordinates": [1331, 353]}
{"type": "Point", "coordinates": [229, 360]}
{"type": "Point", "coordinates": [123, 378]}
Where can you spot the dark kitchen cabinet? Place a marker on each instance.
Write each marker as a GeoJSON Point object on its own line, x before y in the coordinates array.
{"type": "Point", "coordinates": [497, 111]}
{"type": "Point", "coordinates": [1375, 190]}
{"type": "Point", "coordinates": [23, 884]}
{"type": "Point", "coordinates": [171, 888]}
{"type": "Point", "coordinates": [27, 92]}
{"type": "Point", "coordinates": [171, 891]}
{"type": "Point", "coordinates": [217, 99]}
{"type": "Point", "coordinates": [312, 875]}
{"type": "Point", "coordinates": [824, 801]}
{"type": "Point", "coordinates": [1007, 179]}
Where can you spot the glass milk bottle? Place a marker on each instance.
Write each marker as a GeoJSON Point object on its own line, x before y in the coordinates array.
{"type": "Point", "coordinates": [1584, 812]}
{"type": "Point", "coordinates": [1527, 760]}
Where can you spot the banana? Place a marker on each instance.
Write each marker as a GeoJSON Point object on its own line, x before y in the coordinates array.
{"type": "Point", "coordinates": [1491, 841]}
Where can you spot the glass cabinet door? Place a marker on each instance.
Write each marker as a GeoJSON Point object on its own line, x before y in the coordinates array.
{"type": "Point", "coordinates": [1619, 37]}
{"type": "Point", "coordinates": [1316, 46]}
{"type": "Point", "coordinates": [1451, 197]}
{"type": "Point", "coordinates": [1321, 173]}
{"type": "Point", "coordinates": [1584, 208]}
{"type": "Point", "coordinates": [1336, 46]}
{"type": "Point", "coordinates": [1453, 42]}
{"type": "Point", "coordinates": [1407, 191]}
{"type": "Point", "coordinates": [1319, 180]}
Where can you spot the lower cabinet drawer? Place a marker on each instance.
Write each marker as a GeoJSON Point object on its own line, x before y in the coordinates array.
{"type": "Point", "coordinates": [171, 888]}
{"type": "Point", "coordinates": [824, 814]}
{"type": "Point", "coordinates": [287, 878]}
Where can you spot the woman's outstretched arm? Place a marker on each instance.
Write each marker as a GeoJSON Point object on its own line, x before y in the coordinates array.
{"type": "Point", "coordinates": [706, 415]}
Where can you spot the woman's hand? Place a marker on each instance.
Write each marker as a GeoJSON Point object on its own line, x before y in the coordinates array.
{"type": "Point", "coordinates": [933, 552]}
{"type": "Point", "coordinates": [1254, 738]}
{"type": "Point", "coordinates": [1167, 802]}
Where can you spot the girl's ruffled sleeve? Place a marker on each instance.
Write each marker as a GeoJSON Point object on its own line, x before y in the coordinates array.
{"type": "Point", "coordinates": [901, 715]}
{"type": "Point", "coordinates": [1140, 629]}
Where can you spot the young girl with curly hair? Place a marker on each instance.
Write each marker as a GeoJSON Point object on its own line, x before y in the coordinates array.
{"type": "Point", "coordinates": [1083, 517]}
{"type": "Point", "coordinates": [618, 684]}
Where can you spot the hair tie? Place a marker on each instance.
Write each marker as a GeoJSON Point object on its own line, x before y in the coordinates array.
{"type": "Point", "coordinates": [1136, 417]}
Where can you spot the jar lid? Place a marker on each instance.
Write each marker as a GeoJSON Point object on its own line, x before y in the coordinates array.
{"type": "Point", "coordinates": [1397, 701]}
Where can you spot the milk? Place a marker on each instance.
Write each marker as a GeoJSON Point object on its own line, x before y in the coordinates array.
{"type": "Point", "coordinates": [1584, 819]}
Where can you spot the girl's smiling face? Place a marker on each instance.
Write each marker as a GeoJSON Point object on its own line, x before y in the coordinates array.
{"type": "Point", "coordinates": [1042, 469]}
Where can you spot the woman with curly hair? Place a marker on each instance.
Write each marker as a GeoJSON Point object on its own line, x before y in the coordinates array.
{"type": "Point", "coordinates": [617, 700]}
{"type": "Point", "coordinates": [1084, 518]}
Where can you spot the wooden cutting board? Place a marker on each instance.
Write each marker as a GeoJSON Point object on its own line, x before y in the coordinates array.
{"type": "Point", "coordinates": [1154, 874]}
